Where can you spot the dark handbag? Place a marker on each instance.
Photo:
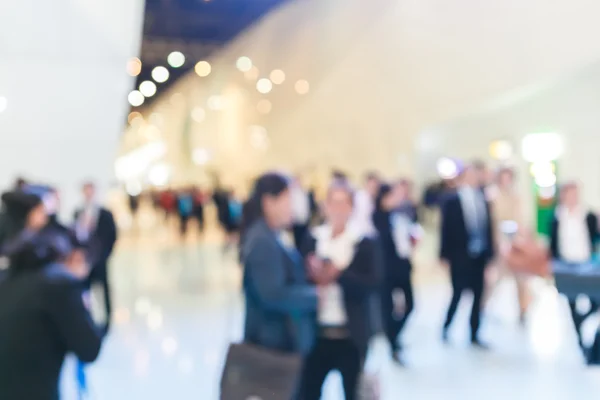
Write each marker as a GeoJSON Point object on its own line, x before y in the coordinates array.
{"type": "Point", "coordinates": [256, 373]}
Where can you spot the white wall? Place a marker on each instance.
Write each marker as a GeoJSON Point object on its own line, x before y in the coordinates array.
{"type": "Point", "coordinates": [569, 108]}
{"type": "Point", "coordinates": [62, 71]}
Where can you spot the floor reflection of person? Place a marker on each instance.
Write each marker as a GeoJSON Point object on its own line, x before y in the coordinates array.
{"type": "Point", "coordinates": [395, 223]}
{"type": "Point", "coordinates": [346, 264]}
{"type": "Point", "coordinates": [95, 227]}
{"type": "Point", "coordinates": [573, 237]}
{"type": "Point", "coordinates": [43, 315]}
{"type": "Point", "coordinates": [467, 246]}
{"type": "Point", "coordinates": [507, 213]}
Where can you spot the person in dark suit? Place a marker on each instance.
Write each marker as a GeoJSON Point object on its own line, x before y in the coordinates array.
{"type": "Point", "coordinates": [280, 301]}
{"type": "Point", "coordinates": [394, 223]}
{"type": "Point", "coordinates": [467, 246]}
{"type": "Point", "coordinates": [95, 227]}
{"type": "Point", "coordinates": [573, 237]}
{"type": "Point", "coordinates": [43, 315]}
{"type": "Point", "coordinates": [346, 264]}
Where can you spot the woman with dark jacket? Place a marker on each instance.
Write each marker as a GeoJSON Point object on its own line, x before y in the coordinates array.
{"type": "Point", "coordinates": [280, 301]}
{"type": "Point", "coordinates": [395, 227]}
{"type": "Point", "coordinates": [42, 311]}
{"type": "Point", "coordinates": [345, 264]}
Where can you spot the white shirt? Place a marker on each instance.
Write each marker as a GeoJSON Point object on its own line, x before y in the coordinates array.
{"type": "Point", "coordinates": [402, 230]}
{"type": "Point", "coordinates": [300, 205]}
{"type": "Point", "coordinates": [573, 236]}
{"type": "Point", "coordinates": [362, 217]}
{"type": "Point", "coordinates": [86, 224]}
{"type": "Point", "coordinates": [340, 251]}
{"type": "Point", "coordinates": [474, 208]}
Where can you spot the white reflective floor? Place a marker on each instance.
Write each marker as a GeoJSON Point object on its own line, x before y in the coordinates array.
{"type": "Point", "coordinates": [178, 306]}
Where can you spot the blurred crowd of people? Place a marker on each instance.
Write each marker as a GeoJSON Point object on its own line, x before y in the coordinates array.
{"type": "Point", "coordinates": [314, 295]}
{"type": "Point", "coordinates": [48, 269]}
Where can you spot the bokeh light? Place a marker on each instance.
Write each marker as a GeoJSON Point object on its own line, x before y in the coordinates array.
{"type": "Point", "coordinates": [264, 86]}
{"type": "Point", "coordinates": [160, 74]}
{"type": "Point", "coordinates": [302, 86]}
{"type": "Point", "coordinates": [135, 98]}
{"type": "Point", "coordinates": [244, 64]}
{"type": "Point", "coordinates": [176, 59]}
{"type": "Point", "coordinates": [203, 68]}
{"type": "Point", "coordinates": [277, 76]}
{"type": "Point", "coordinates": [264, 106]}
{"type": "Point", "coordinates": [148, 88]}
{"type": "Point", "coordinates": [134, 66]}
{"type": "Point", "coordinates": [198, 114]}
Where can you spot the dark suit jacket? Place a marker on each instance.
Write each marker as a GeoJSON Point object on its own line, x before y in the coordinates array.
{"type": "Point", "coordinates": [102, 241]}
{"type": "Point", "coordinates": [42, 318]}
{"type": "Point", "coordinates": [454, 237]}
{"type": "Point", "coordinates": [592, 226]}
{"type": "Point", "coordinates": [359, 282]}
{"type": "Point", "coordinates": [280, 302]}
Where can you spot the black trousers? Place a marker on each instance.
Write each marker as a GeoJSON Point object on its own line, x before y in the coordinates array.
{"type": "Point", "coordinates": [299, 231]}
{"type": "Point", "coordinates": [199, 215]}
{"type": "Point", "coordinates": [468, 274]}
{"type": "Point", "coordinates": [327, 355]}
{"type": "Point", "coordinates": [579, 319]}
{"type": "Point", "coordinates": [397, 279]}
{"type": "Point", "coordinates": [183, 223]}
{"type": "Point", "coordinates": [99, 275]}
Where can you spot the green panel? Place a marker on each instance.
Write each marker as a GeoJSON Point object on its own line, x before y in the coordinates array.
{"type": "Point", "coordinates": [544, 208]}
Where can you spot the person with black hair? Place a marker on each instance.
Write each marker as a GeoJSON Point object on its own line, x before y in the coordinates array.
{"type": "Point", "coordinates": [43, 314]}
{"type": "Point", "coordinates": [280, 301]}
{"type": "Point", "coordinates": [345, 263]}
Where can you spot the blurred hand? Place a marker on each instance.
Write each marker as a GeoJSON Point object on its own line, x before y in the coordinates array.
{"type": "Point", "coordinates": [331, 273]}
{"type": "Point", "coordinates": [77, 264]}
{"type": "Point", "coordinates": [526, 256]}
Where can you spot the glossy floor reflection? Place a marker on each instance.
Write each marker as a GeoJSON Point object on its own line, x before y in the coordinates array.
{"type": "Point", "coordinates": [178, 306]}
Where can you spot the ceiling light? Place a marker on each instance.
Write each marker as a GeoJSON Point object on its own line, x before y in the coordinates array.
{"type": "Point", "coordinates": [148, 88]}
{"type": "Point", "coordinates": [302, 86]}
{"type": "Point", "coordinates": [160, 74]}
{"type": "Point", "coordinates": [176, 59]}
{"type": "Point", "coordinates": [244, 64]}
{"type": "Point", "coordinates": [135, 98]}
{"type": "Point", "coordinates": [203, 68]}
{"type": "Point", "coordinates": [134, 66]}
{"type": "Point", "coordinates": [277, 76]}
{"type": "Point", "coordinates": [264, 85]}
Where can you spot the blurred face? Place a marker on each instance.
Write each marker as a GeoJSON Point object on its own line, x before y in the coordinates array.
{"type": "Point", "coordinates": [338, 207]}
{"type": "Point", "coordinates": [278, 209]}
{"type": "Point", "coordinates": [372, 186]}
{"type": "Point", "coordinates": [89, 192]}
{"type": "Point", "coordinates": [505, 179]}
{"type": "Point", "coordinates": [570, 196]}
{"type": "Point", "coordinates": [37, 218]}
{"type": "Point", "coordinates": [470, 177]}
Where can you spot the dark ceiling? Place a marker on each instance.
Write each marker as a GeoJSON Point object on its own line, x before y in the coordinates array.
{"type": "Point", "coordinates": [194, 27]}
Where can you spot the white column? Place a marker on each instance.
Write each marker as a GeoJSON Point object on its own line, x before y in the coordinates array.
{"type": "Point", "coordinates": [64, 86]}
